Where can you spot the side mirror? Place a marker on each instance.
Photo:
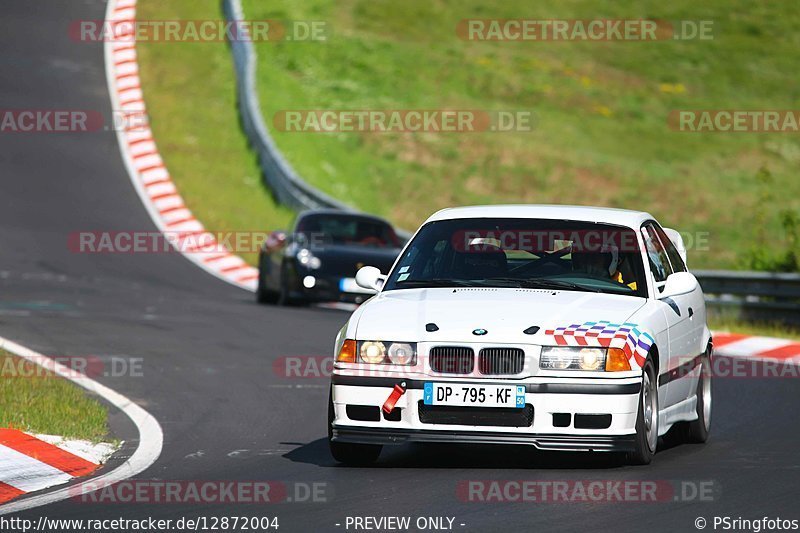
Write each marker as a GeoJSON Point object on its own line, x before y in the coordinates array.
{"type": "Point", "coordinates": [679, 283]}
{"type": "Point", "coordinates": [370, 278]}
{"type": "Point", "coordinates": [275, 239]}
{"type": "Point", "coordinates": [677, 240]}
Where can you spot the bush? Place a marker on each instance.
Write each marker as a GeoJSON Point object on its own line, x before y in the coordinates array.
{"type": "Point", "coordinates": [762, 254]}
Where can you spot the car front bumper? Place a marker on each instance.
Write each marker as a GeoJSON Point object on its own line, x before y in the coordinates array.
{"type": "Point", "coordinates": [614, 402]}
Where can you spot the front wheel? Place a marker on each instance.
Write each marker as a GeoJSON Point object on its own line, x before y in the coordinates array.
{"type": "Point", "coordinates": [263, 294]}
{"type": "Point", "coordinates": [284, 295]}
{"type": "Point", "coordinates": [700, 428]}
{"type": "Point", "coordinates": [647, 418]}
{"type": "Point", "coordinates": [350, 453]}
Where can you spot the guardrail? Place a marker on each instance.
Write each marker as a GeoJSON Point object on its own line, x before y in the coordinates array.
{"type": "Point", "coordinates": [756, 295]}
{"type": "Point", "coordinates": [287, 186]}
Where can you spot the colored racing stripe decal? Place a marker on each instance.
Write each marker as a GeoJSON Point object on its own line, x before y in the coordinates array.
{"type": "Point", "coordinates": [629, 337]}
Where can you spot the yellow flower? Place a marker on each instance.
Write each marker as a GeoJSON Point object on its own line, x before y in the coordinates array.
{"type": "Point", "coordinates": [674, 88]}
{"type": "Point", "coordinates": [603, 110]}
{"type": "Point", "coordinates": [586, 81]}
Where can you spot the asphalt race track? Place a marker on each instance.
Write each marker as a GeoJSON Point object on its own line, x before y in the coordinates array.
{"type": "Point", "coordinates": [208, 349]}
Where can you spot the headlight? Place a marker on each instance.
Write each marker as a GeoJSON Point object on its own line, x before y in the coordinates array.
{"type": "Point", "coordinates": [307, 259]}
{"type": "Point", "coordinates": [572, 358]}
{"type": "Point", "coordinates": [372, 352]}
{"type": "Point", "coordinates": [376, 352]}
{"type": "Point", "coordinates": [401, 353]}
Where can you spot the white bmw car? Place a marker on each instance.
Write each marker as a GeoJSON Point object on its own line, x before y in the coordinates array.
{"type": "Point", "coordinates": [561, 327]}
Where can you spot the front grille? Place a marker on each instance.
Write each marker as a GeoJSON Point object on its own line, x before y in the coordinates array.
{"type": "Point", "coordinates": [452, 359]}
{"type": "Point", "coordinates": [476, 416]}
{"type": "Point", "coordinates": [501, 361]}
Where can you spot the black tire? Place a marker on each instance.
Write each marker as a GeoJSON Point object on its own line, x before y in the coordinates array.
{"type": "Point", "coordinates": [263, 294]}
{"type": "Point", "coordinates": [349, 453]}
{"type": "Point", "coordinates": [284, 295]}
{"type": "Point", "coordinates": [699, 429]}
{"type": "Point", "coordinates": [646, 434]}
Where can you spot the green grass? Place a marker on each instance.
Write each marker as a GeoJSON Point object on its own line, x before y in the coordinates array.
{"type": "Point", "coordinates": [190, 93]}
{"type": "Point", "coordinates": [35, 400]}
{"type": "Point", "coordinates": [601, 134]}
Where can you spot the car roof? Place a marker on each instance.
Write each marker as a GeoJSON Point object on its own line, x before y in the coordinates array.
{"type": "Point", "coordinates": [608, 215]}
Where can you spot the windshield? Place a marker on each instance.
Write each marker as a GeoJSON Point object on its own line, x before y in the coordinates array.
{"type": "Point", "coordinates": [324, 229]}
{"type": "Point", "coordinates": [528, 253]}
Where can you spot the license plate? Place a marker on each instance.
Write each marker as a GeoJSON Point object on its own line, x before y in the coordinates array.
{"type": "Point", "coordinates": [472, 395]}
{"type": "Point", "coordinates": [350, 285]}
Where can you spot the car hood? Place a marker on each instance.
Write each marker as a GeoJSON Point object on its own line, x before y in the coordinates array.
{"type": "Point", "coordinates": [503, 312]}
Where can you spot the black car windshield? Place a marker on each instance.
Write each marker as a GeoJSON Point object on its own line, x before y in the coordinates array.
{"type": "Point", "coordinates": [522, 253]}
{"type": "Point", "coordinates": [346, 229]}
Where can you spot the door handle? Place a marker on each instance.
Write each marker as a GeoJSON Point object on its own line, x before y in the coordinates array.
{"type": "Point", "coordinates": [691, 312]}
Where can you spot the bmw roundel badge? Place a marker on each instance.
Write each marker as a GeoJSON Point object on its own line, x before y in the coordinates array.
{"type": "Point", "coordinates": [479, 331]}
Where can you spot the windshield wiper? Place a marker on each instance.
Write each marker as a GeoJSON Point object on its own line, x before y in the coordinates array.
{"type": "Point", "coordinates": [435, 282]}
{"type": "Point", "coordinates": [544, 283]}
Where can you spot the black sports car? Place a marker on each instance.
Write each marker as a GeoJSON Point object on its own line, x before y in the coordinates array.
{"type": "Point", "coordinates": [318, 259]}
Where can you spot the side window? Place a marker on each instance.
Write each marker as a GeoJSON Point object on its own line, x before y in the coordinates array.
{"type": "Point", "coordinates": [674, 256]}
{"type": "Point", "coordinates": [656, 255]}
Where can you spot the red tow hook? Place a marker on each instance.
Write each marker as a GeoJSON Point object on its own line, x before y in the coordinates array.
{"type": "Point", "coordinates": [397, 392]}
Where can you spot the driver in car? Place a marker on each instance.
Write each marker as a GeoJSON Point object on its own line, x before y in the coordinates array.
{"type": "Point", "coordinates": [604, 263]}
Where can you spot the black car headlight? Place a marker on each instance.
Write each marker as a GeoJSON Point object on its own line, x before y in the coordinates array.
{"type": "Point", "coordinates": [308, 259]}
